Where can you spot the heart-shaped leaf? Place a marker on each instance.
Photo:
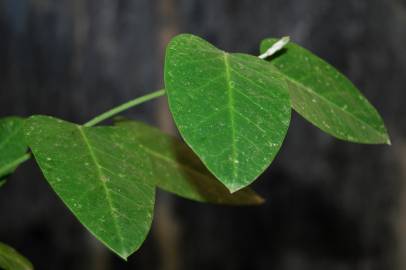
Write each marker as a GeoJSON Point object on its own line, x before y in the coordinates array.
{"type": "Point", "coordinates": [13, 149]}
{"type": "Point", "coordinates": [178, 170]}
{"type": "Point", "coordinates": [10, 259]}
{"type": "Point", "coordinates": [102, 176]}
{"type": "Point", "coordinates": [325, 97]}
{"type": "Point", "coordinates": [229, 108]}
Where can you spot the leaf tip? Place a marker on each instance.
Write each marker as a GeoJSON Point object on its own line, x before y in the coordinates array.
{"type": "Point", "coordinates": [124, 256]}
{"type": "Point", "coordinates": [233, 188]}
{"type": "Point", "coordinates": [386, 139]}
{"type": "Point", "coordinates": [259, 200]}
{"type": "Point", "coordinates": [122, 253]}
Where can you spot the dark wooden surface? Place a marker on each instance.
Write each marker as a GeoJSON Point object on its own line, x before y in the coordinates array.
{"type": "Point", "coordinates": [331, 205]}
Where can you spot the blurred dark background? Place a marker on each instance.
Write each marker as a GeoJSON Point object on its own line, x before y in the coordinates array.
{"type": "Point", "coordinates": [331, 204]}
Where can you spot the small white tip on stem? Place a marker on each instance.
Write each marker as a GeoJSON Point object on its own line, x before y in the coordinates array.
{"type": "Point", "coordinates": [276, 47]}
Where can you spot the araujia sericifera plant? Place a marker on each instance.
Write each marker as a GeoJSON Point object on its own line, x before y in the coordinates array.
{"type": "Point", "coordinates": [232, 110]}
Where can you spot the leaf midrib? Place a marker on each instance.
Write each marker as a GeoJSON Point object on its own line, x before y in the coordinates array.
{"type": "Point", "coordinates": [382, 135]}
{"type": "Point", "coordinates": [16, 259]}
{"type": "Point", "coordinates": [231, 113]}
{"type": "Point", "coordinates": [106, 190]}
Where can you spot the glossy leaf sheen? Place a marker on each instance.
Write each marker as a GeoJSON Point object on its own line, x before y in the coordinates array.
{"type": "Point", "coordinates": [12, 146]}
{"type": "Point", "coordinates": [229, 108]}
{"type": "Point", "coordinates": [10, 259]}
{"type": "Point", "coordinates": [327, 98]}
{"type": "Point", "coordinates": [101, 174]}
{"type": "Point", "coordinates": [178, 170]}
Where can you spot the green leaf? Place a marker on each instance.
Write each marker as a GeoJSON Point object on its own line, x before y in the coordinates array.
{"type": "Point", "coordinates": [102, 176]}
{"type": "Point", "coordinates": [10, 259]}
{"type": "Point", "coordinates": [13, 149]}
{"type": "Point", "coordinates": [178, 170]}
{"type": "Point", "coordinates": [325, 97]}
{"type": "Point", "coordinates": [229, 108]}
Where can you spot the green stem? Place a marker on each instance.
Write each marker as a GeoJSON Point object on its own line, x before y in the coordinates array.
{"type": "Point", "coordinates": [124, 107]}
{"type": "Point", "coordinates": [94, 121]}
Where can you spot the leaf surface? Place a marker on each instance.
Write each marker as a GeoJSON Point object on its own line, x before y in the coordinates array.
{"type": "Point", "coordinates": [229, 108]}
{"type": "Point", "coordinates": [10, 259]}
{"type": "Point", "coordinates": [13, 149]}
{"type": "Point", "coordinates": [325, 97]}
{"type": "Point", "coordinates": [102, 176]}
{"type": "Point", "coordinates": [178, 170]}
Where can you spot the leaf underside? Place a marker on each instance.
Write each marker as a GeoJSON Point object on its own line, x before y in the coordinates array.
{"type": "Point", "coordinates": [10, 259]}
{"type": "Point", "coordinates": [102, 176]}
{"type": "Point", "coordinates": [13, 149]}
{"type": "Point", "coordinates": [325, 97]}
{"type": "Point", "coordinates": [229, 108]}
{"type": "Point", "coordinates": [178, 170]}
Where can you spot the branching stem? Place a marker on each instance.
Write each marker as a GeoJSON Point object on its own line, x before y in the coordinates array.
{"type": "Point", "coordinates": [132, 103]}
{"type": "Point", "coordinates": [124, 107]}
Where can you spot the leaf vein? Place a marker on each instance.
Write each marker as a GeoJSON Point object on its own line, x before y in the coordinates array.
{"type": "Point", "coordinates": [106, 190]}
